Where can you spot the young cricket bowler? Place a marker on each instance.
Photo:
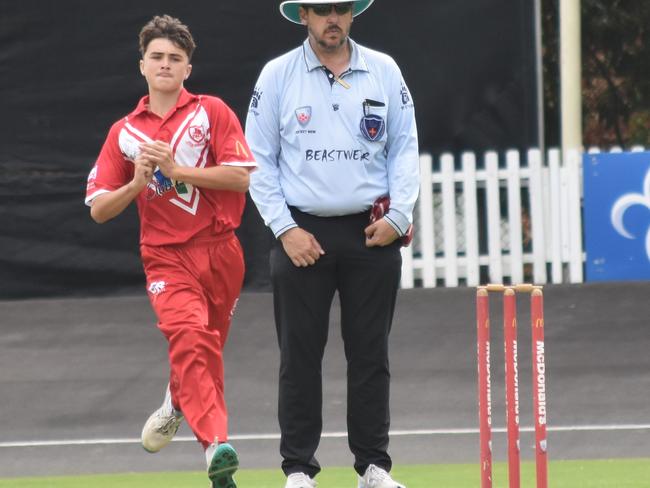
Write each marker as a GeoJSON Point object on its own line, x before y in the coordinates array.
{"type": "Point", "coordinates": [184, 161]}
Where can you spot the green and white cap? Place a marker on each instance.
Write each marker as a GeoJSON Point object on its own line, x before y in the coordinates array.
{"type": "Point", "coordinates": [289, 8]}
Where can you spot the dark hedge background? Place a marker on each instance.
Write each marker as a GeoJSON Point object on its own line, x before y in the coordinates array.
{"type": "Point", "coordinates": [68, 70]}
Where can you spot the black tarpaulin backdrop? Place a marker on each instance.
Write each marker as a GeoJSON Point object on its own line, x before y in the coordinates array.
{"type": "Point", "coordinates": [69, 69]}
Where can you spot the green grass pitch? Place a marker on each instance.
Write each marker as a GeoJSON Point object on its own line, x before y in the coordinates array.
{"type": "Point", "coordinates": [620, 473]}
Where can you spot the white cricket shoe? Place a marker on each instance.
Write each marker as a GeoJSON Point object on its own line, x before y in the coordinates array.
{"type": "Point", "coordinates": [300, 480]}
{"type": "Point", "coordinates": [161, 427]}
{"type": "Point", "coordinates": [376, 477]}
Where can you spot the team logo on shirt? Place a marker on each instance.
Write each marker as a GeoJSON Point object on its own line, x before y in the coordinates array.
{"type": "Point", "coordinates": [372, 127]}
{"type": "Point", "coordinates": [255, 100]}
{"type": "Point", "coordinates": [405, 95]}
{"type": "Point", "coordinates": [241, 150]}
{"type": "Point", "coordinates": [303, 114]}
{"type": "Point", "coordinates": [407, 103]}
{"type": "Point", "coordinates": [197, 133]}
{"type": "Point", "coordinates": [90, 183]}
{"type": "Point", "coordinates": [158, 186]}
{"type": "Point", "coordinates": [157, 287]}
{"type": "Point", "coordinates": [257, 95]}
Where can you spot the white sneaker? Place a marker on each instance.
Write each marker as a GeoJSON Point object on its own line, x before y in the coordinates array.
{"type": "Point", "coordinates": [375, 477]}
{"type": "Point", "coordinates": [300, 480]}
{"type": "Point", "coordinates": [161, 427]}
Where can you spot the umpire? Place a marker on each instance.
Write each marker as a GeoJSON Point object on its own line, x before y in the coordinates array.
{"type": "Point", "coordinates": [332, 127]}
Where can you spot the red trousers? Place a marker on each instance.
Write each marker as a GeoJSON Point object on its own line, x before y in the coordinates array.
{"type": "Point", "coordinates": [194, 289]}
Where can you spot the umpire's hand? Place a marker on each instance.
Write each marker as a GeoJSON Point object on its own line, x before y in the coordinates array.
{"type": "Point", "coordinates": [380, 233]}
{"type": "Point", "coordinates": [302, 247]}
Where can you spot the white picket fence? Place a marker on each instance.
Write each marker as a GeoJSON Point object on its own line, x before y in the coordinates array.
{"type": "Point", "coordinates": [508, 221]}
{"type": "Point", "coordinates": [471, 226]}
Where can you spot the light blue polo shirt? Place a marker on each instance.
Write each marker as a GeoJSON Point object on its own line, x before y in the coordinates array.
{"type": "Point", "coordinates": [329, 149]}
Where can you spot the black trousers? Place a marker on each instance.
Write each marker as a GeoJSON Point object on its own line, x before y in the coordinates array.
{"type": "Point", "coordinates": [367, 280]}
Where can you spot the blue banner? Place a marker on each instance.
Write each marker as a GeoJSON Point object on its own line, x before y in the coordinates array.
{"type": "Point", "coordinates": [617, 216]}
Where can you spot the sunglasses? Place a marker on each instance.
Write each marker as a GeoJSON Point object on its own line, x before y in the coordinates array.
{"type": "Point", "coordinates": [324, 9]}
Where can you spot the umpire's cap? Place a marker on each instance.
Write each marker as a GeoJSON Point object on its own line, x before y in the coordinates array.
{"type": "Point", "coordinates": [289, 8]}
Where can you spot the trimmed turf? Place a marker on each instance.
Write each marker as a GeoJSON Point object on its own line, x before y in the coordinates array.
{"type": "Point", "coordinates": [619, 473]}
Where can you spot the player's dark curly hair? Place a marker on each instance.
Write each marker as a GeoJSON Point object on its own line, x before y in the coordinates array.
{"type": "Point", "coordinates": [167, 27]}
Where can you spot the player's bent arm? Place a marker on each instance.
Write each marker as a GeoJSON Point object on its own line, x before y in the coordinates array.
{"type": "Point", "coordinates": [223, 177]}
{"type": "Point", "coordinates": [109, 205]}
{"type": "Point", "coordinates": [106, 206]}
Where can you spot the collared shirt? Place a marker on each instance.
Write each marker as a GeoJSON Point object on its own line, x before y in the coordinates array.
{"type": "Point", "coordinates": [202, 132]}
{"type": "Point", "coordinates": [332, 147]}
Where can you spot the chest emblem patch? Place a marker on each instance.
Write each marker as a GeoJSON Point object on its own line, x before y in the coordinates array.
{"type": "Point", "coordinates": [303, 114]}
{"type": "Point", "coordinates": [197, 133]}
{"type": "Point", "coordinates": [372, 127]}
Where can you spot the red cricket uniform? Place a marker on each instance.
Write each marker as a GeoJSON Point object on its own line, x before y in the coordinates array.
{"type": "Point", "coordinates": [192, 260]}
